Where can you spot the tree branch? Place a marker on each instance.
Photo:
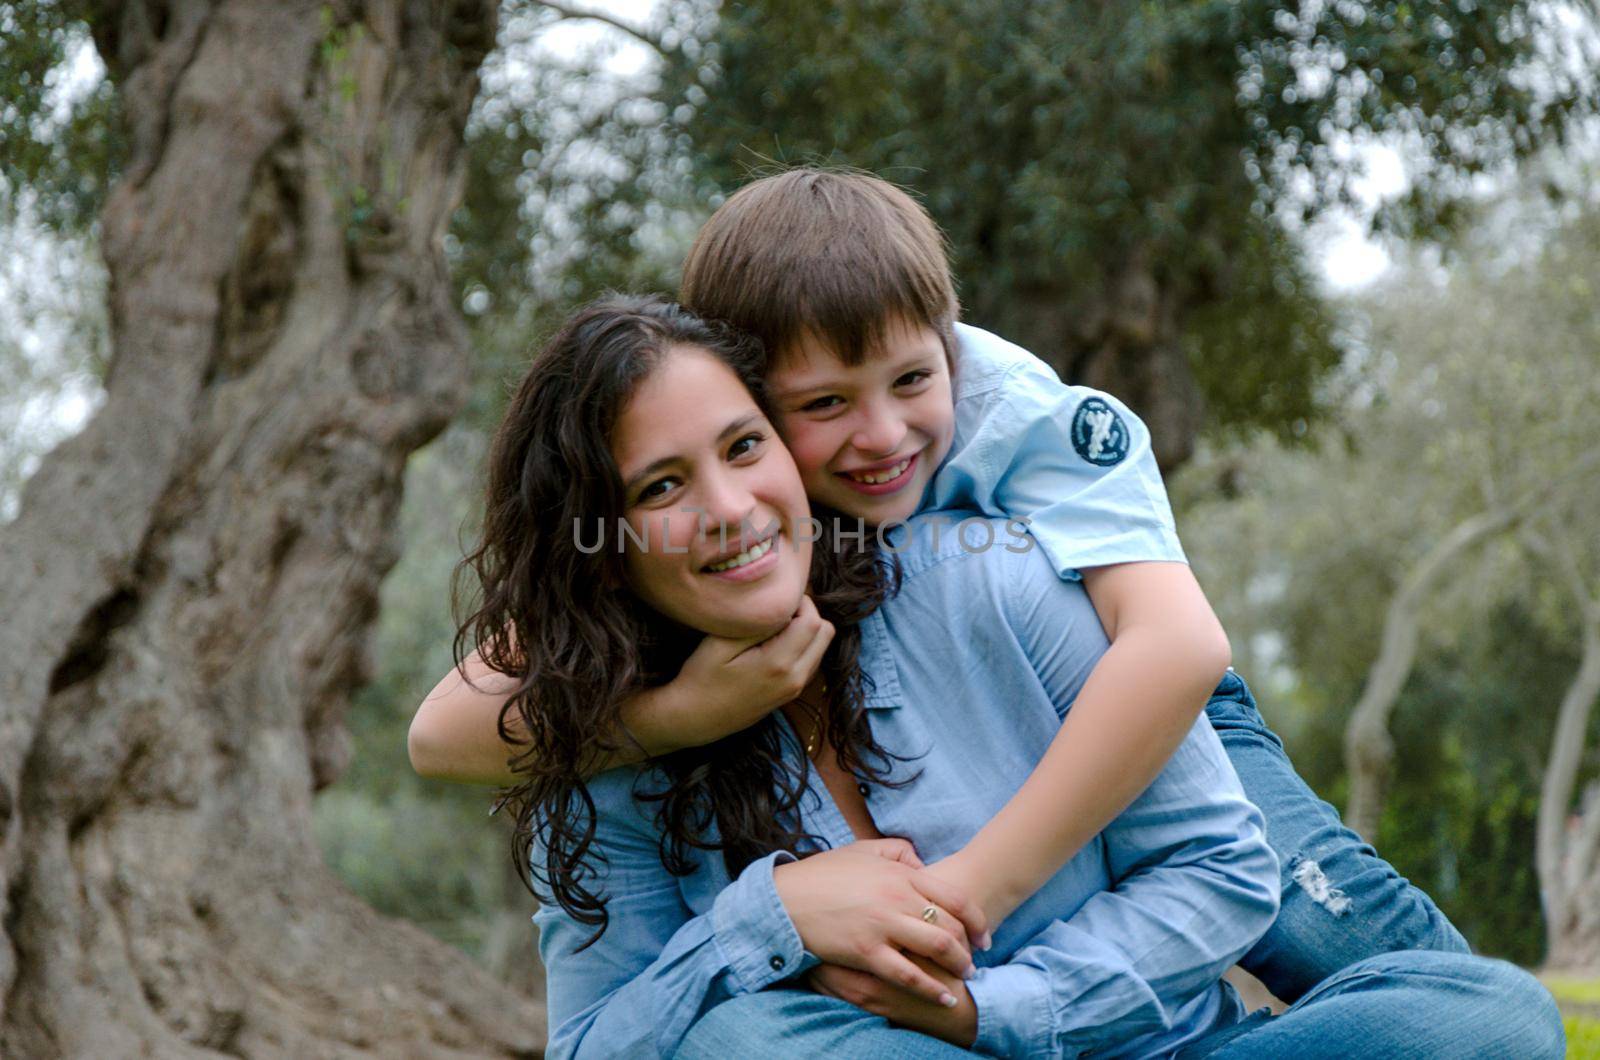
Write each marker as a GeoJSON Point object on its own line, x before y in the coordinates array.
{"type": "Point", "coordinates": [636, 32]}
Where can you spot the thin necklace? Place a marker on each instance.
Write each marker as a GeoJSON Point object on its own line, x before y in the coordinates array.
{"type": "Point", "coordinates": [813, 742]}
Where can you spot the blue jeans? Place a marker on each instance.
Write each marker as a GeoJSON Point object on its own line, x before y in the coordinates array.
{"type": "Point", "coordinates": [792, 1023]}
{"type": "Point", "coordinates": [1396, 1006]}
{"type": "Point", "coordinates": [1341, 903]}
{"type": "Point", "coordinates": [1414, 1005]}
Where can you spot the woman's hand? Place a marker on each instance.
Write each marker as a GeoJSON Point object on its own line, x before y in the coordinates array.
{"type": "Point", "coordinates": [859, 906]}
{"type": "Point", "coordinates": [729, 685]}
{"type": "Point", "coordinates": [957, 1024]}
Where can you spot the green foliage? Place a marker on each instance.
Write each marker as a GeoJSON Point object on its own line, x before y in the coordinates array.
{"type": "Point", "coordinates": [575, 186]}
{"type": "Point", "coordinates": [1583, 1037]}
{"type": "Point", "coordinates": [59, 151]}
{"type": "Point", "coordinates": [1060, 143]}
{"type": "Point", "coordinates": [1574, 991]}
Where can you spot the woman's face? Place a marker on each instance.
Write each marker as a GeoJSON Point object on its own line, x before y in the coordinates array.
{"type": "Point", "coordinates": [713, 500]}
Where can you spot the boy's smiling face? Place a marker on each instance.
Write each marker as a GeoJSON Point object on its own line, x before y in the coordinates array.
{"type": "Point", "coordinates": [867, 438]}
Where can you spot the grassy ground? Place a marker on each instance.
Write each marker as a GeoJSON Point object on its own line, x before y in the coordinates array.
{"type": "Point", "coordinates": [1580, 1005]}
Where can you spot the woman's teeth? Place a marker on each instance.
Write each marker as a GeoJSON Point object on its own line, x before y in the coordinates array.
{"type": "Point", "coordinates": [876, 477]}
{"type": "Point", "coordinates": [749, 555]}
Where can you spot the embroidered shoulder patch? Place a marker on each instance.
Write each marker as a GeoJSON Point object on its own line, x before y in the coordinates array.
{"type": "Point", "coordinates": [1098, 433]}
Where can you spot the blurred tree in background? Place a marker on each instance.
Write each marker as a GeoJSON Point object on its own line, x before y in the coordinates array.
{"type": "Point", "coordinates": [1470, 383]}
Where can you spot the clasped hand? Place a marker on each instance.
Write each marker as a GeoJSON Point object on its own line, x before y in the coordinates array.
{"type": "Point", "coordinates": [861, 910]}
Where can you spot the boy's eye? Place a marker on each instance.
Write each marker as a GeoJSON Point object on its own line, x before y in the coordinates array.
{"type": "Point", "coordinates": [745, 446]}
{"type": "Point", "coordinates": [819, 404]}
{"type": "Point", "coordinates": [912, 378]}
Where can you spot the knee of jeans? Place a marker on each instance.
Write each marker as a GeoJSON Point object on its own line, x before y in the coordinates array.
{"type": "Point", "coordinates": [1509, 1004]}
{"type": "Point", "coordinates": [1530, 1012]}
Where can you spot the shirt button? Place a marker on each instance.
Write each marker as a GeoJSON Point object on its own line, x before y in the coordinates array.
{"type": "Point", "coordinates": [776, 962]}
{"type": "Point", "coordinates": [866, 792]}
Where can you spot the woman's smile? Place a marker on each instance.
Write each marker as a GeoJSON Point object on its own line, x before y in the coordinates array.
{"type": "Point", "coordinates": [757, 561]}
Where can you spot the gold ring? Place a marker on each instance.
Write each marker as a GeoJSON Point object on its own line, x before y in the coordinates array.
{"type": "Point", "coordinates": [930, 914]}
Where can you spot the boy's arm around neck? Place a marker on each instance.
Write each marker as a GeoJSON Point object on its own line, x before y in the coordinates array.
{"type": "Point", "coordinates": [455, 734]}
{"type": "Point", "coordinates": [725, 686]}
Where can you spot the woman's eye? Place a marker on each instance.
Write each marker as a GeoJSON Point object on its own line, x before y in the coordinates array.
{"type": "Point", "coordinates": [819, 404]}
{"type": "Point", "coordinates": [659, 488]}
{"type": "Point", "coordinates": [745, 446]}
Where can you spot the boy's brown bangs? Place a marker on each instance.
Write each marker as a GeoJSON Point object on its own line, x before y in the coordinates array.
{"type": "Point", "coordinates": [836, 255]}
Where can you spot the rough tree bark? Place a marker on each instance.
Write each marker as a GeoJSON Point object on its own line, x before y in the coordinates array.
{"type": "Point", "coordinates": [191, 581]}
{"type": "Point", "coordinates": [1567, 853]}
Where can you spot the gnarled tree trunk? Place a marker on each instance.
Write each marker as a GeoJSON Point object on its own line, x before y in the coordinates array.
{"type": "Point", "coordinates": [191, 582]}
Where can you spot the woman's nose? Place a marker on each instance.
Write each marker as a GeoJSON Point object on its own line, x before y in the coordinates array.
{"type": "Point", "coordinates": [727, 504]}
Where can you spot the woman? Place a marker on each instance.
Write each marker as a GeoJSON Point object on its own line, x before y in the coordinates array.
{"type": "Point", "coordinates": [673, 898]}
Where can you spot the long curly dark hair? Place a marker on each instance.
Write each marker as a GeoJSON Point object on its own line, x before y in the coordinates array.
{"type": "Point", "coordinates": [579, 642]}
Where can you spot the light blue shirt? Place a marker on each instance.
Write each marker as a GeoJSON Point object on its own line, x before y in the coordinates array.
{"type": "Point", "coordinates": [972, 664]}
{"type": "Point", "coordinates": [1073, 460]}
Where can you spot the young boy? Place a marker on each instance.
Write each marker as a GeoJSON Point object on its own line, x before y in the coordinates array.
{"type": "Point", "coordinates": [889, 407]}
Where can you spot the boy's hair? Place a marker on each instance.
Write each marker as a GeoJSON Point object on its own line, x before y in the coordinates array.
{"type": "Point", "coordinates": [835, 253]}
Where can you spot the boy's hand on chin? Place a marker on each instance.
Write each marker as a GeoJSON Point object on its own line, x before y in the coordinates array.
{"type": "Point", "coordinates": [957, 1025]}
{"type": "Point", "coordinates": [728, 684]}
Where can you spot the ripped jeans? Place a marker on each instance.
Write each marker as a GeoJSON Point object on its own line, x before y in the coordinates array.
{"type": "Point", "coordinates": [1341, 902]}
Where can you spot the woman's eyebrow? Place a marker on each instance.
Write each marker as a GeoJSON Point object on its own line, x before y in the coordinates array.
{"type": "Point", "coordinates": [749, 418]}
{"type": "Point", "coordinates": [649, 469]}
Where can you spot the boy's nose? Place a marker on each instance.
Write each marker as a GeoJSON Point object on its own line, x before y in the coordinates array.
{"type": "Point", "coordinates": [878, 435]}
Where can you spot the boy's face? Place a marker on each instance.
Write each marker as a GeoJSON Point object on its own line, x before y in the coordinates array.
{"type": "Point", "coordinates": [867, 439]}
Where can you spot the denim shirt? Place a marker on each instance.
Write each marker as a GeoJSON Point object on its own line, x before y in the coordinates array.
{"type": "Point", "coordinates": [1074, 461]}
{"type": "Point", "coordinates": [972, 666]}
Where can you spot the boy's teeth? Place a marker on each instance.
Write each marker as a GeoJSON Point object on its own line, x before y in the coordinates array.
{"type": "Point", "coordinates": [882, 476]}
{"type": "Point", "coordinates": [754, 552]}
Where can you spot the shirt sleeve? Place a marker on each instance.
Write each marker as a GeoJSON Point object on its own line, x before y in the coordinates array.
{"type": "Point", "coordinates": [1074, 461]}
{"type": "Point", "coordinates": [657, 968]}
{"type": "Point", "coordinates": [1194, 885]}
